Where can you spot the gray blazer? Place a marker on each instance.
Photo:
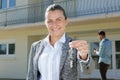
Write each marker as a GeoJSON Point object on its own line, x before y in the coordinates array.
{"type": "Point", "coordinates": [66, 73]}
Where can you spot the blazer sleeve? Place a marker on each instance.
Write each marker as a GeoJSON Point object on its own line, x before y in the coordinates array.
{"type": "Point", "coordinates": [87, 66]}
{"type": "Point", "coordinates": [101, 49]}
{"type": "Point", "coordinates": [30, 73]}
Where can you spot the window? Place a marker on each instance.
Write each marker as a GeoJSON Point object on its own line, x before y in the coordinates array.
{"type": "Point", "coordinates": [11, 48]}
{"type": "Point", "coordinates": [94, 45]}
{"type": "Point", "coordinates": [118, 61]}
{"type": "Point", "coordinates": [117, 46]}
{"type": "Point", "coordinates": [7, 4]}
{"type": "Point", "coordinates": [7, 48]}
{"type": "Point", "coordinates": [3, 49]}
{"type": "Point", "coordinates": [0, 4]}
{"type": "Point", "coordinates": [12, 3]}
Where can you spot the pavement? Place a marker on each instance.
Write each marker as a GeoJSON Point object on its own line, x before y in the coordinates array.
{"type": "Point", "coordinates": [10, 79]}
{"type": "Point", "coordinates": [98, 79]}
{"type": "Point", "coordinates": [80, 79]}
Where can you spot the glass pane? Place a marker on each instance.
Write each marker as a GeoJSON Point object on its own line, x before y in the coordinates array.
{"type": "Point", "coordinates": [0, 4]}
{"type": "Point", "coordinates": [12, 3]}
{"type": "Point", "coordinates": [95, 58]}
{"type": "Point", "coordinates": [3, 49]}
{"type": "Point", "coordinates": [94, 45]}
{"type": "Point", "coordinates": [117, 46]}
{"type": "Point", "coordinates": [118, 61]}
{"type": "Point", "coordinates": [4, 4]}
{"type": "Point", "coordinates": [11, 49]}
{"type": "Point", "coordinates": [110, 67]}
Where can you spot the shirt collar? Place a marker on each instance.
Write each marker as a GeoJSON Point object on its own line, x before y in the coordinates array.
{"type": "Point", "coordinates": [103, 39]}
{"type": "Point", "coordinates": [62, 39]}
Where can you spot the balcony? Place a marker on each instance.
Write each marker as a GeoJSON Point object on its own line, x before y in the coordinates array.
{"type": "Point", "coordinates": [34, 13]}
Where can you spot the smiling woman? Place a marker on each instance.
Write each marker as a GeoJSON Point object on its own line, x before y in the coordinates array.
{"type": "Point", "coordinates": [49, 58]}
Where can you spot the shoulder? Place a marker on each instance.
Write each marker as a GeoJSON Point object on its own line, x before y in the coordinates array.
{"type": "Point", "coordinates": [36, 43]}
{"type": "Point", "coordinates": [68, 38]}
{"type": "Point", "coordinates": [106, 41]}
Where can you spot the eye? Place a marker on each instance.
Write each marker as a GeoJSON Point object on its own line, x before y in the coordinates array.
{"type": "Point", "coordinates": [49, 21]}
{"type": "Point", "coordinates": [59, 20]}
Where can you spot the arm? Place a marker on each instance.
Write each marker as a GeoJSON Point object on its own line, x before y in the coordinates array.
{"type": "Point", "coordinates": [85, 60]}
{"type": "Point", "coordinates": [101, 49]}
{"type": "Point", "coordinates": [30, 65]}
{"type": "Point", "coordinates": [86, 66]}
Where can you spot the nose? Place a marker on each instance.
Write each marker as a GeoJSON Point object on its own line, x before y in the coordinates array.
{"type": "Point", "coordinates": [54, 24]}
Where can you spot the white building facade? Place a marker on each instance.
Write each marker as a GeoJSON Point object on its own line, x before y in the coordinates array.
{"type": "Point", "coordinates": [22, 23]}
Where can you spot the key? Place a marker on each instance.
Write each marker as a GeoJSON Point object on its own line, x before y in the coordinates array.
{"type": "Point", "coordinates": [71, 57]}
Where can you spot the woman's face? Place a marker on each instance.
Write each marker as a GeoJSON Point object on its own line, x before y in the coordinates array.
{"type": "Point", "coordinates": [56, 23]}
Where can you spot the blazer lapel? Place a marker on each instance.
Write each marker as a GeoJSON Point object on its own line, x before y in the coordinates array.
{"type": "Point", "coordinates": [64, 55]}
{"type": "Point", "coordinates": [39, 51]}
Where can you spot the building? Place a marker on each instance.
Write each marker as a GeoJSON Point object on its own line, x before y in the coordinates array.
{"type": "Point", "coordinates": [22, 23]}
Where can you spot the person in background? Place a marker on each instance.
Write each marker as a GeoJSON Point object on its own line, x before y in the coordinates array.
{"type": "Point", "coordinates": [57, 56]}
{"type": "Point", "coordinates": [104, 52]}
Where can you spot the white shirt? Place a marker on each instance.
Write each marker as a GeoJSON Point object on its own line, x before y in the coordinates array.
{"type": "Point", "coordinates": [49, 60]}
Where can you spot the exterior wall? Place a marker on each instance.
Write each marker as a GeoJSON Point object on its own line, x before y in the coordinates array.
{"type": "Point", "coordinates": [24, 35]}
{"type": "Point", "coordinates": [34, 1]}
{"type": "Point", "coordinates": [21, 2]}
{"type": "Point", "coordinates": [13, 14]}
{"type": "Point", "coordinates": [14, 66]}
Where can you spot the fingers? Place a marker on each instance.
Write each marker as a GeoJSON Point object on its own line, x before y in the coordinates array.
{"type": "Point", "coordinates": [81, 45]}
{"type": "Point", "coordinates": [78, 44]}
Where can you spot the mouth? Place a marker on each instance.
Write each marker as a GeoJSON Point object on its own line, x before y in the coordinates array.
{"type": "Point", "coordinates": [55, 30]}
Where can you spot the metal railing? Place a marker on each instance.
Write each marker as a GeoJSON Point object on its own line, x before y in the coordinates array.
{"type": "Point", "coordinates": [33, 13]}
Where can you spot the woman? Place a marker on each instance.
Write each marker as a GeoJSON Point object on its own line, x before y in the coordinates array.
{"type": "Point", "coordinates": [50, 58]}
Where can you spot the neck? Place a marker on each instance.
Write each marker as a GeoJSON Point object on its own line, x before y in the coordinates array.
{"type": "Point", "coordinates": [53, 40]}
{"type": "Point", "coordinates": [103, 37]}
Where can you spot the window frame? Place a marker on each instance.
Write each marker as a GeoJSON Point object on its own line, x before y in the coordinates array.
{"type": "Point", "coordinates": [7, 42]}
{"type": "Point", "coordinates": [117, 53]}
{"type": "Point", "coordinates": [94, 45]}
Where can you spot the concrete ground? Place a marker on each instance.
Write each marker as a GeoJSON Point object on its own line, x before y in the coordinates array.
{"type": "Point", "coordinates": [96, 79]}
{"type": "Point", "coordinates": [80, 79]}
{"type": "Point", "coordinates": [11, 79]}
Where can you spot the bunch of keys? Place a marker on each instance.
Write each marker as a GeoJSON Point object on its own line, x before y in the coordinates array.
{"type": "Point", "coordinates": [71, 57]}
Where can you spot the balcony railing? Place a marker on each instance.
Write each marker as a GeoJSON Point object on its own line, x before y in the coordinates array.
{"type": "Point", "coordinates": [33, 13]}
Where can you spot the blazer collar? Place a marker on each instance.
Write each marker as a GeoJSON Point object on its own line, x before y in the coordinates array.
{"type": "Point", "coordinates": [65, 49]}
{"type": "Point", "coordinates": [64, 55]}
